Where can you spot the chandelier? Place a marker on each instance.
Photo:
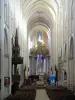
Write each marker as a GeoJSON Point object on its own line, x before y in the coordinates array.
{"type": "Point", "coordinates": [40, 49]}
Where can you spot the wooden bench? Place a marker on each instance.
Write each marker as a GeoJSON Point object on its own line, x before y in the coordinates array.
{"type": "Point", "coordinates": [25, 93]}
{"type": "Point", "coordinates": [59, 93]}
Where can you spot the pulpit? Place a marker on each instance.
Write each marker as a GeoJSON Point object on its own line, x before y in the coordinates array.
{"type": "Point", "coordinates": [16, 59]}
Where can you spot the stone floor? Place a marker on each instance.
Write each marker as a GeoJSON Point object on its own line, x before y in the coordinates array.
{"type": "Point", "coordinates": [41, 95]}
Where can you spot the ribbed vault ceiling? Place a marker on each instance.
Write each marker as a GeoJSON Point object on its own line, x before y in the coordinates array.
{"type": "Point", "coordinates": [40, 12]}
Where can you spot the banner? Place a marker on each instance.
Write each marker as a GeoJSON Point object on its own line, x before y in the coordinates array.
{"type": "Point", "coordinates": [52, 79]}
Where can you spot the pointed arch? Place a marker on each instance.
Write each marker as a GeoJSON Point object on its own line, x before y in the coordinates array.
{"type": "Point", "coordinates": [5, 42]}
{"type": "Point", "coordinates": [71, 47]}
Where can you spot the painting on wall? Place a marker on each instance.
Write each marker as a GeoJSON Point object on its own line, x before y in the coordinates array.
{"type": "Point", "coordinates": [6, 81]}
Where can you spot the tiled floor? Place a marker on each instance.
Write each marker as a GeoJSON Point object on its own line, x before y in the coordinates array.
{"type": "Point", "coordinates": [41, 95]}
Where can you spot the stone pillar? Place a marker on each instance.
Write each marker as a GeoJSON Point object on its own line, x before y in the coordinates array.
{"type": "Point", "coordinates": [29, 66]}
{"type": "Point", "coordinates": [34, 60]}
{"type": "Point", "coordinates": [49, 67]}
{"type": "Point", "coordinates": [2, 47]}
{"type": "Point", "coordinates": [37, 67]}
{"type": "Point", "coordinates": [47, 64]}
{"type": "Point", "coordinates": [44, 65]}
{"type": "Point", "coordinates": [35, 64]}
{"type": "Point", "coordinates": [32, 65]}
{"type": "Point", "coordinates": [30, 58]}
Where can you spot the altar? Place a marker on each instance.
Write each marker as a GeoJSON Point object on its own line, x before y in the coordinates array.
{"type": "Point", "coordinates": [41, 76]}
{"type": "Point", "coordinates": [42, 80]}
{"type": "Point", "coordinates": [39, 60]}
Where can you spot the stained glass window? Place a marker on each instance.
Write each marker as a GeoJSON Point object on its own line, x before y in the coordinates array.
{"type": "Point", "coordinates": [39, 35]}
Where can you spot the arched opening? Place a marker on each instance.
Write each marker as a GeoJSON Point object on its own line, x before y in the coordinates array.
{"type": "Point", "coordinates": [65, 51]}
{"type": "Point", "coordinates": [40, 24]}
{"type": "Point", "coordinates": [5, 42]}
{"type": "Point", "coordinates": [40, 13]}
{"type": "Point", "coordinates": [71, 48]}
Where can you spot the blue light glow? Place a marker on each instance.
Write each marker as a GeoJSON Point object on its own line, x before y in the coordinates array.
{"type": "Point", "coordinates": [39, 57]}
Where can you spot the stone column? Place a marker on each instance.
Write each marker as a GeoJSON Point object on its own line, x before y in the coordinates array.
{"type": "Point", "coordinates": [2, 47]}
{"type": "Point", "coordinates": [44, 66]}
{"type": "Point", "coordinates": [49, 67]}
{"type": "Point", "coordinates": [29, 65]}
{"type": "Point", "coordinates": [35, 64]}
{"type": "Point", "coordinates": [30, 58]}
{"type": "Point", "coordinates": [32, 65]}
{"type": "Point", "coordinates": [47, 64]}
{"type": "Point", "coordinates": [37, 67]}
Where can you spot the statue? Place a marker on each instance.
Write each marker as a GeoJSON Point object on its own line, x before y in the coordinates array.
{"type": "Point", "coordinates": [65, 75]}
{"type": "Point", "coordinates": [56, 74]}
{"type": "Point", "coordinates": [52, 70]}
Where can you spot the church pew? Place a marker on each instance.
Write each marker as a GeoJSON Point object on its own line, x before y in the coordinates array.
{"type": "Point", "coordinates": [59, 93]}
{"type": "Point", "coordinates": [23, 94]}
